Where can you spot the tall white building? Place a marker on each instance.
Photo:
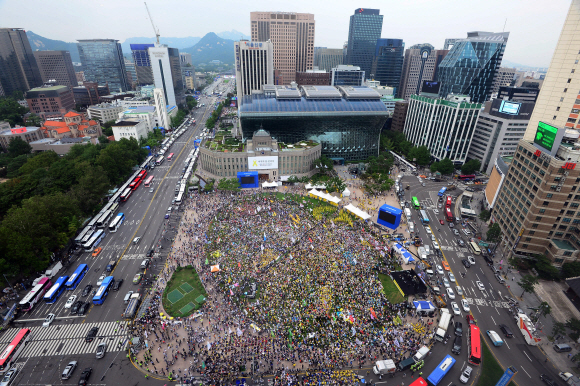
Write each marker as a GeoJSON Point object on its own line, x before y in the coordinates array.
{"type": "Point", "coordinates": [127, 129]}
{"type": "Point", "coordinates": [161, 108]}
{"type": "Point", "coordinates": [166, 67]}
{"type": "Point", "coordinates": [254, 66]}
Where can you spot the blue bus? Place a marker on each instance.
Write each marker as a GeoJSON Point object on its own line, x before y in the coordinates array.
{"type": "Point", "coordinates": [441, 370]}
{"type": "Point", "coordinates": [103, 290]}
{"type": "Point", "coordinates": [442, 192]}
{"type": "Point", "coordinates": [423, 216]}
{"type": "Point", "coordinates": [54, 292]}
{"type": "Point", "coordinates": [76, 277]}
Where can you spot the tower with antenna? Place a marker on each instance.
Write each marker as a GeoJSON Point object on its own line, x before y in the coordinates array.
{"type": "Point", "coordinates": [156, 30]}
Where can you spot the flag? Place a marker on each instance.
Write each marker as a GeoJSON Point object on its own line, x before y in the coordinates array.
{"type": "Point", "coordinates": [373, 314]}
{"type": "Point", "coordinates": [239, 265]}
{"type": "Point", "coordinates": [264, 236]}
{"type": "Point", "coordinates": [351, 319]}
{"type": "Point", "coordinates": [239, 332]}
{"type": "Point", "coordinates": [231, 293]}
{"type": "Point", "coordinates": [206, 261]}
{"type": "Point", "coordinates": [397, 343]}
{"type": "Point", "coordinates": [309, 239]}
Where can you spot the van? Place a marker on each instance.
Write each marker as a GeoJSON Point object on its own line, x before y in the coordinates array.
{"type": "Point", "coordinates": [494, 337]}
{"type": "Point", "coordinates": [427, 250]}
{"type": "Point", "coordinates": [562, 347]}
{"type": "Point", "coordinates": [437, 290]}
{"type": "Point", "coordinates": [421, 354]}
{"type": "Point", "coordinates": [429, 273]}
{"type": "Point", "coordinates": [466, 232]}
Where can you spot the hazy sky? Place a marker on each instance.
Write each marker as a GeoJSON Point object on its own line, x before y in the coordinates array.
{"type": "Point", "coordinates": [534, 25]}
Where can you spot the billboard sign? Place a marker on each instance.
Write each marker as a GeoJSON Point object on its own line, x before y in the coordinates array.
{"type": "Point", "coordinates": [507, 376]}
{"type": "Point", "coordinates": [260, 163]}
{"type": "Point", "coordinates": [507, 107]}
{"type": "Point", "coordinates": [546, 136]}
{"type": "Point", "coordinates": [430, 87]}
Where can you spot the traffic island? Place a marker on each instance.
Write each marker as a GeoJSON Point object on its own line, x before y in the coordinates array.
{"type": "Point", "coordinates": [184, 292]}
{"type": "Point", "coordinates": [491, 371]}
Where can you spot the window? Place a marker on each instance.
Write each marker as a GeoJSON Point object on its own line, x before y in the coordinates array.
{"type": "Point", "coordinates": [538, 218]}
{"type": "Point", "coordinates": [531, 233]}
{"type": "Point", "coordinates": [549, 195]}
{"type": "Point", "coordinates": [534, 226]}
{"type": "Point", "coordinates": [545, 203]}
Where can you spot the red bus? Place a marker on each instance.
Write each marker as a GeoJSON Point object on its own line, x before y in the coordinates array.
{"type": "Point", "coordinates": [11, 353]}
{"type": "Point", "coordinates": [148, 181]}
{"type": "Point", "coordinates": [474, 345]}
{"type": "Point", "coordinates": [142, 174]}
{"type": "Point", "coordinates": [466, 177]}
{"type": "Point", "coordinates": [135, 184]}
{"type": "Point", "coordinates": [448, 215]}
{"type": "Point", "coordinates": [448, 202]}
{"type": "Point", "coordinates": [126, 194]}
{"type": "Point", "coordinates": [419, 382]}
{"type": "Point", "coordinates": [170, 156]}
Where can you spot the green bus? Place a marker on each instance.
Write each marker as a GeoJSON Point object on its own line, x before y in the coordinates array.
{"type": "Point", "coordinates": [416, 204]}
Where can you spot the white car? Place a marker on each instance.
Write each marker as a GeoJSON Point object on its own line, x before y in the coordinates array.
{"type": "Point", "coordinates": [465, 305]}
{"type": "Point", "coordinates": [471, 260]}
{"type": "Point", "coordinates": [436, 211]}
{"type": "Point", "coordinates": [480, 285]}
{"type": "Point", "coordinates": [455, 308]}
{"type": "Point", "coordinates": [446, 282]}
{"type": "Point", "coordinates": [100, 280]}
{"type": "Point", "coordinates": [428, 230]}
{"type": "Point", "coordinates": [458, 290]}
{"type": "Point", "coordinates": [439, 269]}
{"type": "Point", "coordinates": [450, 293]}
{"type": "Point", "coordinates": [70, 301]}
{"type": "Point", "coordinates": [435, 245]}
{"type": "Point", "coordinates": [49, 318]}
{"type": "Point", "coordinates": [464, 378]}
{"type": "Point", "coordinates": [451, 277]}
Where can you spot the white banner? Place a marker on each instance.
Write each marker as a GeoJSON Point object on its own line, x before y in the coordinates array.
{"type": "Point", "coordinates": [257, 163]}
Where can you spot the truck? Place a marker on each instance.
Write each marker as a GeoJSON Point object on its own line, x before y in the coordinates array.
{"type": "Point", "coordinates": [408, 214]}
{"type": "Point", "coordinates": [570, 379]}
{"type": "Point", "coordinates": [422, 253]}
{"type": "Point", "coordinates": [384, 367]}
{"type": "Point", "coordinates": [443, 325]}
{"type": "Point", "coordinates": [419, 356]}
{"type": "Point", "coordinates": [52, 271]}
{"type": "Point", "coordinates": [133, 305]}
{"type": "Point", "coordinates": [111, 265]}
{"type": "Point", "coordinates": [411, 227]}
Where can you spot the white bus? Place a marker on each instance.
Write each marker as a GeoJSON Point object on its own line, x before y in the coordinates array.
{"type": "Point", "coordinates": [160, 160]}
{"type": "Point", "coordinates": [114, 207]}
{"type": "Point", "coordinates": [474, 248]}
{"type": "Point", "coordinates": [95, 240]}
{"type": "Point", "coordinates": [104, 219]}
{"type": "Point", "coordinates": [116, 223]}
{"type": "Point", "coordinates": [179, 198]}
{"type": "Point", "coordinates": [81, 236]}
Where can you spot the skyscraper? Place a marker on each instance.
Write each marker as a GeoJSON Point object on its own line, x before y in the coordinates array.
{"type": "Point", "coordinates": [388, 62]}
{"type": "Point", "coordinates": [328, 58]}
{"type": "Point", "coordinates": [57, 66]}
{"type": "Point", "coordinates": [254, 66]}
{"type": "Point", "coordinates": [411, 74]}
{"type": "Point", "coordinates": [364, 30]}
{"type": "Point", "coordinates": [470, 66]}
{"type": "Point", "coordinates": [166, 67]}
{"type": "Point", "coordinates": [292, 36]}
{"type": "Point", "coordinates": [503, 77]}
{"type": "Point", "coordinates": [142, 62]}
{"type": "Point", "coordinates": [18, 68]}
{"type": "Point", "coordinates": [103, 62]}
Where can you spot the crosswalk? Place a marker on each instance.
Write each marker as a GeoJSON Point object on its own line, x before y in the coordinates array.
{"type": "Point", "coordinates": [69, 339]}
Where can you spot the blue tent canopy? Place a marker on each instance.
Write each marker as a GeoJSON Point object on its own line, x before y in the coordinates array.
{"type": "Point", "coordinates": [423, 305]}
{"type": "Point", "coordinates": [407, 257]}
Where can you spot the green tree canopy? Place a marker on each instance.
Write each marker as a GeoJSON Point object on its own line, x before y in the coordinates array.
{"type": "Point", "coordinates": [17, 146]}
{"type": "Point", "coordinates": [11, 111]}
{"type": "Point", "coordinates": [335, 184]}
{"type": "Point", "coordinates": [471, 166]}
{"type": "Point", "coordinates": [527, 283]}
{"type": "Point", "coordinates": [421, 155]}
{"type": "Point", "coordinates": [485, 215]}
{"type": "Point", "coordinates": [571, 269]}
{"type": "Point", "coordinates": [445, 166]}
{"type": "Point", "coordinates": [494, 233]}
{"type": "Point", "coordinates": [33, 120]}
{"type": "Point", "coordinates": [230, 184]}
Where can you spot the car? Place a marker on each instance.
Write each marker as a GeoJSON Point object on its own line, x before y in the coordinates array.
{"type": "Point", "coordinates": [48, 320]}
{"type": "Point", "coordinates": [547, 380]}
{"type": "Point", "coordinates": [445, 265]}
{"type": "Point", "coordinates": [87, 290]}
{"type": "Point", "coordinates": [97, 251]}
{"type": "Point", "coordinates": [466, 263]}
{"type": "Point", "coordinates": [465, 305]}
{"type": "Point", "coordinates": [145, 263]}
{"type": "Point", "coordinates": [9, 377]}
{"type": "Point", "coordinates": [506, 331]}
{"type": "Point", "coordinates": [117, 284]}
{"type": "Point", "coordinates": [100, 280]}
{"type": "Point", "coordinates": [92, 334]}
{"type": "Point", "coordinates": [441, 222]}
{"type": "Point", "coordinates": [461, 242]}
{"type": "Point", "coordinates": [137, 278]}
{"type": "Point", "coordinates": [150, 252]}
{"type": "Point", "coordinates": [439, 205]}
{"type": "Point", "coordinates": [455, 232]}
{"type": "Point", "coordinates": [439, 269]}
{"type": "Point", "coordinates": [68, 370]}
{"type": "Point", "coordinates": [101, 350]}
{"type": "Point", "coordinates": [85, 376]}
{"type": "Point", "coordinates": [435, 245]}
{"type": "Point", "coordinates": [151, 190]}
{"type": "Point", "coordinates": [480, 285]}
{"type": "Point", "coordinates": [428, 230]}
{"type": "Point", "coordinates": [83, 308]}
{"type": "Point", "coordinates": [169, 209]}
{"type": "Point", "coordinates": [70, 301]}
{"type": "Point", "coordinates": [433, 237]}
{"type": "Point", "coordinates": [166, 215]}
{"type": "Point", "coordinates": [451, 225]}
{"type": "Point", "coordinates": [136, 240]}
{"type": "Point", "coordinates": [458, 329]}
{"type": "Point", "coordinates": [459, 290]}
{"type": "Point", "coordinates": [471, 259]}
{"type": "Point", "coordinates": [470, 319]}
{"type": "Point", "coordinates": [436, 211]}
{"type": "Point", "coordinates": [446, 282]}
{"type": "Point", "coordinates": [450, 293]}
{"type": "Point", "coordinates": [451, 276]}
{"type": "Point", "coordinates": [455, 308]}
{"type": "Point", "coordinates": [75, 307]}
{"type": "Point", "coordinates": [464, 378]}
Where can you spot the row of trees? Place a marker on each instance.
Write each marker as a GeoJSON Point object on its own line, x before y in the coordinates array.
{"type": "Point", "coordinates": [211, 121]}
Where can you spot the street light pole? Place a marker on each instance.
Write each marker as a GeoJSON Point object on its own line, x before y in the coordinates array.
{"type": "Point", "coordinates": [13, 290]}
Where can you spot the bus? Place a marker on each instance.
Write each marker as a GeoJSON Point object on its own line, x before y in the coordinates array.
{"type": "Point", "coordinates": [95, 240]}
{"type": "Point", "coordinates": [415, 203]}
{"type": "Point", "coordinates": [79, 239]}
{"type": "Point", "coordinates": [170, 156]}
{"type": "Point", "coordinates": [135, 184]}
{"type": "Point", "coordinates": [448, 202]}
{"type": "Point", "coordinates": [179, 198]}
{"type": "Point", "coordinates": [93, 222]}
{"type": "Point", "coordinates": [126, 194]}
{"type": "Point", "coordinates": [474, 248]}
{"type": "Point", "coordinates": [466, 177]}
{"type": "Point", "coordinates": [104, 219]}
{"type": "Point", "coordinates": [419, 382]}
{"type": "Point", "coordinates": [474, 345]}
{"type": "Point", "coordinates": [441, 370]}
{"type": "Point", "coordinates": [114, 207]}
{"type": "Point", "coordinates": [448, 215]}
{"type": "Point", "coordinates": [423, 216]}
{"type": "Point", "coordinates": [148, 181]}
{"type": "Point", "coordinates": [160, 160]}
{"type": "Point", "coordinates": [12, 352]}
{"type": "Point", "coordinates": [103, 290]}
{"type": "Point", "coordinates": [116, 223]}
{"type": "Point", "coordinates": [35, 294]}
{"type": "Point", "coordinates": [442, 191]}
{"type": "Point", "coordinates": [54, 292]}
{"type": "Point", "coordinates": [164, 142]}
{"type": "Point", "coordinates": [142, 174]}
{"type": "Point", "coordinates": [75, 279]}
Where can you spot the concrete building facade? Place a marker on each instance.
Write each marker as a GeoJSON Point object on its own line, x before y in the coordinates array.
{"type": "Point", "coordinates": [53, 99]}
{"type": "Point", "coordinates": [166, 67]}
{"type": "Point", "coordinates": [104, 112]}
{"type": "Point", "coordinates": [254, 66]}
{"type": "Point", "coordinates": [19, 70]}
{"type": "Point", "coordinates": [411, 71]}
{"type": "Point", "coordinates": [328, 58]}
{"type": "Point", "coordinates": [57, 66]}
{"type": "Point", "coordinates": [399, 115]}
{"type": "Point", "coordinates": [313, 77]}
{"type": "Point", "coordinates": [347, 75]}
{"type": "Point", "coordinates": [27, 134]}
{"type": "Point", "coordinates": [127, 129]}
{"type": "Point", "coordinates": [518, 94]}
{"type": "Point", "coordinates": [185, 58]}
{"type": "Point", "coordinates": [161, 108]}
{"type": "Point", "coordinates": [503, 77]}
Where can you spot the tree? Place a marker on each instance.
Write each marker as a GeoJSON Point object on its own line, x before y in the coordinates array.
{"type": "Point", "coordinates": [33, 120]}
{"type": "Point", "coordinates": [471, 166]}
{"type": "Point", "coordinates": [209, 185]}
{"type": "Point", "coordinates": [574, 325]}
{"type": "Point", "coordinates": [421, 155]}
{"type": "Point", "coordinates": [445, 166]}
{"type": "Point", "coordinates": [558, 328]}
{"type": "Point", "coordinates": [230, 184]}
{"type": "Point", "coordinates": [545, 269]}
{"type": "Point", "coordinates": [434, 167]}
{"type": "Point", "coordinates": [17, 146]}
{"type": "Point", "coordinates": [292, 179]}
{"type": "Point", "coordinates": [103, 139]}
{"type": "Point", "coordinates": [11, 111]}
{"type": "Point", "coordinates": [405, 147]}
{"type": "Point", "coordinates": [323, 164]}
{"type": "Point", "coordinates": [571, 269]}
{"type": "Point", "coordinates": [107, 128]}
{"type": "Point", "coordinates": [494, 233]}
{"type": "Point", "coordinates": [544, 309]}
{"type": "Point", "coordinates": [335, 184]}
{"type": "Point", "coordinates": [18, 95]}
{"type": "Point", "coordinates": [485, 215]}
{"type": "Point", "coordinates": [527, 283]}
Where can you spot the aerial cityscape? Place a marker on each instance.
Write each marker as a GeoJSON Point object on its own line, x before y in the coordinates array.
{"type": "Point", "coordinates": [336, 195]}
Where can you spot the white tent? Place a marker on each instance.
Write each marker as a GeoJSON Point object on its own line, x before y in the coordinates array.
{"type": "Point", "coordinates": [319, 187]}
{"type": "Point", "coordinates": [269, 184]}
{"type": "Point", "coordinates": [324, 196]}
{"type": "Point", "coordinates": [357, 212]}
{"type": "Point", "coordinates": [346, 193]}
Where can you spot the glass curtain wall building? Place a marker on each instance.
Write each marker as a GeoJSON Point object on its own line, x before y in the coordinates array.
{"type": "Point", "coordinates": [470, 66]}
{"type": "Point", "coordinates": [388, 62]}
{"type": "Point", "coordinates": [18, 68]}
{"type": "Point", "coordinates": [142, 62]}
{"type": "Point", "coordinates": [103, 62]}
{"type": "Point", "coordinates": [364, 30]}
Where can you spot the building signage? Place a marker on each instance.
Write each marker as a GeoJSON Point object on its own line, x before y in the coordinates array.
{"type": "Point", "coordinates": [546, 136]}
{"type": "Point", "coordinates": [258, 163]}
{"type": "Point", "coordinates": [157, 54]}
{"type": "Point", "coordinates": [507, 376]}
{"type": "Point", "coordinates": [511, 108]}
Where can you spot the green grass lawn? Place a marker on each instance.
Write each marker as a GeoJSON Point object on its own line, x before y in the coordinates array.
{"type": "Point", "coordinates": [491, 371]}
{"type": "Point", "coordinates": [391, 291]}
{"type": "Point", "coordinates": [185, 275]}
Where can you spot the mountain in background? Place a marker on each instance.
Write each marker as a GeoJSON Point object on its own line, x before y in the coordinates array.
{"type": "Point", "coordinates": [212, 47]}
{"type": "Point", "coordinates": [39, 43]}
{"type": "Point", "coordinates": [233, 35]}
{"type": "Point", "coordinates": [179, 43]}
{"type": "Point", "coordinates": [509, 64]}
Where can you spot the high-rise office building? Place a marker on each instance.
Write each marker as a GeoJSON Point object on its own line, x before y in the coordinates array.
{"type": "Point", "coordinates": [103, 62]}
{"type": "Point", "coordinates": [364, 30]}
{"type": "Point", "coordinates": [56, 66]}
{"type": "Point", "coordinates": [328, 58]}
{"type": "Point", "coordinates": [185, 59]}
{"type": "Point", "coordinates": [131, 73]}
{"type": "Point", "coordinates": [388, 62]}
{"type": "Point", "coordinates": [345, 75]}
{"type": "Point", "coordinates": [292, 36]}
{"type": "Point", "coordinates": [470, 66]}
{"type": "Point", "coordinates": [503, 77]}
{"type": "Point", "coordinates": [18, 68]}
{"type": "Point", "coordinates": [518, 94]}
{"type": "Point", "coordinates": [254, 66]}
{"type": "Point", "coordinates": [411, 75]}
{"type": "Point", "coordinates": [167, 73]}
{"type": "Point", "coordinates": [140, 53]}
{"type": "Point", "coordinates": [449, 43]}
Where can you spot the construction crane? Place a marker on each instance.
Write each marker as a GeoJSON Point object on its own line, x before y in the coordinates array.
{"type": "Point", "coordinates": [154, 29]}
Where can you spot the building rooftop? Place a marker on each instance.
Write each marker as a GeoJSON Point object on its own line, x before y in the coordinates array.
{"type": "Point", "coordinates": [140, 110]}
{"type": "Point", "coordinates": [44, 140]}
{"type": "Point", "coordinates": [19, 130]}
{"type": "Point", "coordinates": [126, 123]}
{"type": "Point", "coordinates": [563, 244]}
{"type": "Point", "coordinates": [51, 88]}
{"type": "Point", "coordinates": [321, 92]}
{"type": "Point", "coordinates": [359, 92]}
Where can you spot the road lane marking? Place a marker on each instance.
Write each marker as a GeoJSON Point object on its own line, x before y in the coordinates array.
{"type": "Point", "coordinates": [527, 356]}
{"type": "Point", "coordinates": [525, 371]}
